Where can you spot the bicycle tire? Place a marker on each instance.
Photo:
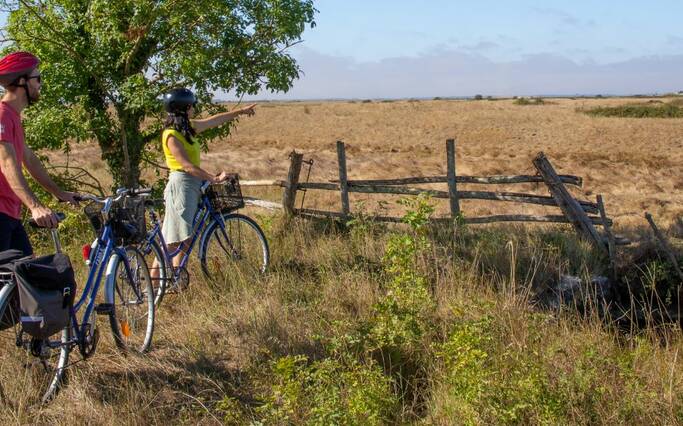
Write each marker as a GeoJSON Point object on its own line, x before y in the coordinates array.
{"type": "Point", "coordinates": [248, 244]}
{"type": "Point", "coordinates": [153, 251]}
{"type": "Point", "coordinates": [45, 380]}
{"type": "Point", "coordinates": [132, 328]}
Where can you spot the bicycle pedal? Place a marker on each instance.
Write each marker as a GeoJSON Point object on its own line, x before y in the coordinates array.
{"type": "Point", "coordinates": [104, 308]}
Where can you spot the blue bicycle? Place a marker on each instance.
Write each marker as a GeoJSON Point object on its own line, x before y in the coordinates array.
{"type": "Point", "coordinates": [38, 369]}
{"type": "Point", "coordinates": [230, 244]}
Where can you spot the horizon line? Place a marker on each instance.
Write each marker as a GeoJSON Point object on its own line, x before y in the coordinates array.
{"type": "Point", "coordinates": [472, 97]}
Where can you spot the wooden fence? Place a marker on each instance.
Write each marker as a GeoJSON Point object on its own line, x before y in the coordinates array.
{"type": "Point", "coordinates": [582, 214]}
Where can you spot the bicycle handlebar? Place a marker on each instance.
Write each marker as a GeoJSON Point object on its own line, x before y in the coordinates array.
{"type": "Point", "coordinates": [60, 217]}
{"type": "Point", "coordinates": [120, 193]}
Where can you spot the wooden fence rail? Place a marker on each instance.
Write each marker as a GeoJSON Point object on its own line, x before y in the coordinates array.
{"type": "Point", "coordinates": [543, 200]}
{"type": "Point", "coordinates": [485, 180]}
{"type": "Point", "coordinates": [575, 212]}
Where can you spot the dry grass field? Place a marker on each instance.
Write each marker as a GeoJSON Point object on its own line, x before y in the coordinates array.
{"type": "Point", "coordinates": [636, 164]}
{"type": "Point", "coordinates": [370, 324]}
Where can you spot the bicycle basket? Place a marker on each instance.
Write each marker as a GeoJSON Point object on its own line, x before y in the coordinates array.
{"type": "Point", "coordinates": [128, 220]}
{"type": "Point", "coordinates": [226, 196]}
{"type": "Point", "coordinates": [93, 211]}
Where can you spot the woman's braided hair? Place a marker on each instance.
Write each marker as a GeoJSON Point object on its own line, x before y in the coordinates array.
{"type": "Point", "coordinates": [180, 122]}
{"type": "Point", "coordinates": [177, 102]}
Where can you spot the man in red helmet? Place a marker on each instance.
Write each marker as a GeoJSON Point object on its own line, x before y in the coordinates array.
{"type": "Point", "coordinates": [20, 77]}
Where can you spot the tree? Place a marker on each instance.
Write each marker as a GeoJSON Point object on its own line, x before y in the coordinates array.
{"type": "Point", "coordinates": [106, 63]}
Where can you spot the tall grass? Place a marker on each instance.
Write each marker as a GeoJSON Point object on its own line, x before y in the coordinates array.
{"type": "Point", "coordinates": [369, 324]}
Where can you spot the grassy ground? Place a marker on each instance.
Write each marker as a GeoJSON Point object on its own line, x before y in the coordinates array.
{"type": "Point", "coordinates": [370, 324]}
{"type": "Point", "coordinates": [367, 324]}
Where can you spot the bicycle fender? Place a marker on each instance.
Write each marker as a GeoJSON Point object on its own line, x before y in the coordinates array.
{"type": "Point", "coordinates": [202, 240]}
{"type": "Point", "coordinates": [5, 292]}
{"type": "Point", "coordinates": [110, 278]}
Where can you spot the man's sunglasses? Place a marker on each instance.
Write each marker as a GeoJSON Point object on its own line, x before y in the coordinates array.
{"type": "Point", "coordinates": [37, 77]}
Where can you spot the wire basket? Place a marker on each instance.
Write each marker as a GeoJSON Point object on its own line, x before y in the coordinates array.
{"type": "Point", "coordinates": [227, 195]}
{"type": "Point", "coordinates": [126, 216]}
{"type": "Point", "coordinates": [93, 211]}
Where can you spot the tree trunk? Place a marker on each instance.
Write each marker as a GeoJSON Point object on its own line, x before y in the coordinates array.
{"type": "Point", "coordinates": [123, 152]}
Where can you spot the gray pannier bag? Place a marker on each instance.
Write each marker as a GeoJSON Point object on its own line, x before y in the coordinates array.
{"type": "Point", "coordinates": [46, 293]}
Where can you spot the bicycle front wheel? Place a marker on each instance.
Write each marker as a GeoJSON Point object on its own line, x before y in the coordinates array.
{"type": "Point", "coordinates": [31, 370]}
{"type": "Point", "coordinates": [131, 294]}
{"type": "Point", "coordinates": [239, 247]}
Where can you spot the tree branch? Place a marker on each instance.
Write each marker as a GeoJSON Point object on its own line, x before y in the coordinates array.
{"type": "Point", "coordinates": [68, 48]}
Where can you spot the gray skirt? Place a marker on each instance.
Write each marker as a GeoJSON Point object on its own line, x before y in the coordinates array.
{"type": "Point", "coordinates": [182, 202]}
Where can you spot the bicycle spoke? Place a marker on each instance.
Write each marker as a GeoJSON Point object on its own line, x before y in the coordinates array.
{"type": "Point", "coordinates": [133, 314]}
{"type": "Point", "coordinates": [237, 249]}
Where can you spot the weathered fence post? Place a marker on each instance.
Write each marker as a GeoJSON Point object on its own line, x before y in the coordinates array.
{"type": "Point", "coordinates": [665, 246]}
{"type": "Point", "coordinates": [569, 206]}
{"type": "Point", "coordinates": [343, 181]}
{"type": "Point", "coordinates": [611, 246]}
{"type": "Point", "coordinates": [289, 193]}
{"type": "Point", "coordinates": [452, 188]}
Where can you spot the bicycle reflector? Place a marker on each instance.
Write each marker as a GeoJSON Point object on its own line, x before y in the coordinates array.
{"type": "Point", "coordinates": [125, 328]}
{"type": "Point", "coordinates": [86, 252]}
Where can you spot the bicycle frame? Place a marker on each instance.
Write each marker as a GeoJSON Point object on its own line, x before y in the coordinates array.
{"type": "Point", "coordinates": [100, 262]}
{"type": "Point", "coordinates": [201, 218]}
{"type": "Point", "coordinates": [100, 267]}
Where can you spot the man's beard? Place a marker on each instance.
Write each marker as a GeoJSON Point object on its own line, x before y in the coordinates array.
{"type": "Point", "coordinates": [34, 96]}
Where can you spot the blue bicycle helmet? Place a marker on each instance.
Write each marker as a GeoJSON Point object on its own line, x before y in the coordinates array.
{"type": "Point", "coordinates": [179, 100]}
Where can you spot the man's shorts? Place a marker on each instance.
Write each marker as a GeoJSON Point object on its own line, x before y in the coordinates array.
{"type": "Point", "coordinates": [13, 235]}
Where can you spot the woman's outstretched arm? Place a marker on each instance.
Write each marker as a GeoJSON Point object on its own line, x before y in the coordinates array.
{"type": "Point", "coordinates": [217, 120]}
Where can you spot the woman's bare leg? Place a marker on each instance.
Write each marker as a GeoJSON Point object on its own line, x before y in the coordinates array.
{"type": "Point", "coordinates": [183, 249]}
{"type": "Point", "coordinates": [154, 273]}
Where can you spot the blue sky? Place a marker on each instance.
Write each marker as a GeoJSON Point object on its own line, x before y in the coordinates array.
{"type": "Point", "coordinates": [581, 30]}
{"type": "Point", "coordinates": [400, 49]}
{"type": "Point", "coordinates": [394, 49]}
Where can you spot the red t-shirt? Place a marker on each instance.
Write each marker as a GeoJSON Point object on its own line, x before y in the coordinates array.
{"type": "Point", "coordinates": [12, 132]}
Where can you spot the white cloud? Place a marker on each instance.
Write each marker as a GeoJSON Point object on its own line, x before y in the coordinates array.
{"type": "Point", "coordinates": [460, 73]}
{"type": "Point", "coordinates": [482, 45]}
{"type": "Point", "coordinates": [673, 40]}
{"type": "Point", "coordinates": [564, 18]}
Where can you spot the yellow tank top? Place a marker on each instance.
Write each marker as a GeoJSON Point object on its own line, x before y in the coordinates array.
{"type": "Point", "coordinates": [192, 150]}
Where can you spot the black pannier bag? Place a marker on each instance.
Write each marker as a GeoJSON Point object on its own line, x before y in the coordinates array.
{"type": "Point", "coordinates": [11, 314]}
{"type": "Point", "coordinates": [46, 293]}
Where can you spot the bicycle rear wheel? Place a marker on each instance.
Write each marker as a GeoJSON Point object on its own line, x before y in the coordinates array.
{"type": "Point", "coordinates": [31, 370]}
{"type": "Point", "coordinates": [238, 248]}
{"type": "Point", "coordinates": [131, 294]}
{"type": "Point", "coordinates": [156, 262]}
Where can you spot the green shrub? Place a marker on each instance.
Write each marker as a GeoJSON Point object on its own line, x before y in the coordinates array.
{"type": "Point", "coordinates": [327, 392]}
{"type": "Point", "coordinates": [402, 315]}
{"type": "Point", "coordinates": [402, 321]}
{"type": "Point", "coordinates": [529, 101]}
{"type": "Point", "coordinates": [637, 111]}
{"type": "Point", "coordinates": [484, 382]}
